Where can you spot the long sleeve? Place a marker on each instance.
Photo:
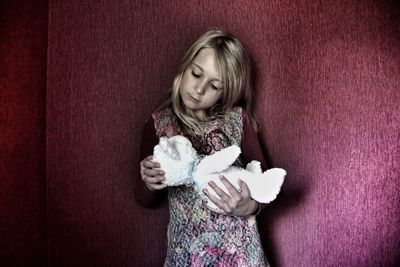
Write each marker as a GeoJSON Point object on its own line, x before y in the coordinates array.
{"type": "Point", "coordinates": [251, 148]}
{"type": "Point", "coordinates": [144, 196]}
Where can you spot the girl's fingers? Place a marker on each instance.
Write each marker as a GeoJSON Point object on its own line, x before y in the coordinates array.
{"type": "Point", "coordinates": [154, 183]}
{"type": "Point", "coordinates": [220, 211]}
{"type": "Point", "coordinates": [153, 180]}
{"type": "Point", "coordinates": [244, 189]}
{"type": "Point", "coordinates": [153, 172]}
{"type": "Point", "coordinates": [221, 193]}
{"type": "Point", "coordinates": [150, 164]}
{"type": "Point", "coordinates": [230, 203]}
{"type": "Point", "coordinates": [218, 202]}
{"type": "Point", "coordinates": [152, 176]}
{"type": "Point", "coordinates": [158, 186]}
{"type": "Point", "coordinates": [231, 189]}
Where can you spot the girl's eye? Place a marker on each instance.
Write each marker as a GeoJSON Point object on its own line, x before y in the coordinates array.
{"type": "Point", "coordinates": [214, 87]}
{"type": "Point", "coordinates": [195, 75]}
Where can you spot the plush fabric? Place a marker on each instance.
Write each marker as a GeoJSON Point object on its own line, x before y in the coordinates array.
{"type": "Point", "coordinates": [183, 166]}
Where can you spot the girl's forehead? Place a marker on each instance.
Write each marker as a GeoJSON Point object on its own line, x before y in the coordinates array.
{"type": "Point", "coordinates": [206, 61]}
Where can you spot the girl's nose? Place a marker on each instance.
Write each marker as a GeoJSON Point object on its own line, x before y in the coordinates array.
{"type": "Point", "coordinates": [201, 88]}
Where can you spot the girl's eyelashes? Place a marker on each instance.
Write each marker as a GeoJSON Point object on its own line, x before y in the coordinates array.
{"type": "Point", "coordinates": [196, 75]}
{"type": "Point", "coordinates": [215, 87]}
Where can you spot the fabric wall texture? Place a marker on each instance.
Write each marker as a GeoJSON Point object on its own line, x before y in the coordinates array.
{"type": "Point", "coordinates": [23, 50]}
{"type": "Point", "coordinates": [328, 101]}
{"type": "Point", "coordinates": [327, 84]}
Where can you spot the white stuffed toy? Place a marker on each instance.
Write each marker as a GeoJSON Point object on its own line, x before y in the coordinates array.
{"type": "Point", "coordinates": [182, 165]}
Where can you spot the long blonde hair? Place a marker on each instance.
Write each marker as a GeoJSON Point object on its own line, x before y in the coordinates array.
{"type": "Point", "coordinates": [234, 65]}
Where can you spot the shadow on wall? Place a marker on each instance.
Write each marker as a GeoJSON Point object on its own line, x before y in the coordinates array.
{"type": "Point", "coordinates": [287, 200]}
{"type": "Point", "coordinates": [292, 195]}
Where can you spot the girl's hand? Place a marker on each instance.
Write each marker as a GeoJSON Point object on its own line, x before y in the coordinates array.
{"type": "Point", "coordinates": [236, 203]}
{"type": "Point", "coordinates": [151, 173]}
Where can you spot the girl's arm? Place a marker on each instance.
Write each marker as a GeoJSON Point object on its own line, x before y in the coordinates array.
{"type": "Point", "coordinates": [143, 195]}
{"type": "Point", "coordinates": [240, 203]}
{"type": "Point", "coordinates": [251, 150]}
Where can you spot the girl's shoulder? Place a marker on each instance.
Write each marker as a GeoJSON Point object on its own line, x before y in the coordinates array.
{"type": "Point", "coordinates": [235, 113]}
{"type": "Point", "coordinates": [240, 113]}
{"type": "Point", "coordinates": [163, 113]}
{"type": "Point", "coordinates": [232, 120]}
{"type": "Point", "coordinates": [238, 117]}
{"type": "Point", "coordinates": [236, 109]}
{"type": "Point", "coordinates": [165, 122]}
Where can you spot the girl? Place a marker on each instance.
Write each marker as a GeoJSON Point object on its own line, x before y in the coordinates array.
{"type": "Point", "coordinates": [210, 104]}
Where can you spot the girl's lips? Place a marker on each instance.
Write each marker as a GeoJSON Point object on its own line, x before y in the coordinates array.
{"type": "Point", "coordinates": [194, 99]}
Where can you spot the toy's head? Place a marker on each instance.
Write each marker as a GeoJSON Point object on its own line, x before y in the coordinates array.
{"type": "Point", "coordinates": [177, 158]}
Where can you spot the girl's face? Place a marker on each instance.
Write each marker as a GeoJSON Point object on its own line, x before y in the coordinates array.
{"type": "Point", "coordinates": [201, 84]}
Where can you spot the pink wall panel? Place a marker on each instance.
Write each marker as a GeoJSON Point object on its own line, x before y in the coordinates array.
{"type": "Point", "coordinates": [327, 86]}
{"type": "Point", "coordinates": [330, 114]}
{"type": "Point", "coordinates": [23, 49]}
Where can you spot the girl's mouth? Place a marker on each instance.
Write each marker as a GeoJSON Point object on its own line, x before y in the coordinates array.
{"type": "Point", "coordinates": [194, 99]}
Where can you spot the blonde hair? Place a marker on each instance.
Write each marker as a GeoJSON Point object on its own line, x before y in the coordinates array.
{"type": "Point", "coordinates": [234, 65]}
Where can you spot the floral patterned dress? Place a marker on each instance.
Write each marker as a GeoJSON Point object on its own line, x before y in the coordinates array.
{"type": "Point", "coordinates": [196, 235]}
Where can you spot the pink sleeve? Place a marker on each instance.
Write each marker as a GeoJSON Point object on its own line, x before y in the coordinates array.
{"type": "Point", "coordinates": [143, 195]}
{"type": "Point", "coordinates": [251, 148]}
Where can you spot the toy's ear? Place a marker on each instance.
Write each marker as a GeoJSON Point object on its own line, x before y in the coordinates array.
{"type": "Point", "coordinates": [219, 161]}
{"type": "Point", "coordinates": [254, 166]}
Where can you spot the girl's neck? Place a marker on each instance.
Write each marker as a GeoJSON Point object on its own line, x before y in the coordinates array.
{"type": "Point", "coordinates": [200, 115]}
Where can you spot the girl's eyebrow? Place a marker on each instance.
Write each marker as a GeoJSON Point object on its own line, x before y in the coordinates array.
{"type": "Point", "coordinates": [197, 65]}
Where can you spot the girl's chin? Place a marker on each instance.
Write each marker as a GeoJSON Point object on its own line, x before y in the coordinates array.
{"type": "Point", "coordinates": [190, 105]}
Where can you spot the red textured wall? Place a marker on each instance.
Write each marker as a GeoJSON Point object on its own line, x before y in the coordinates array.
{"type": "Point", "coordinates": [328, 80]}
{"type": "Point", "coordinates": [23, 49]}
{"type": "Point", "coordinates": [329, 101]}
{"type": "Point", "coordinates": [327, 97]}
